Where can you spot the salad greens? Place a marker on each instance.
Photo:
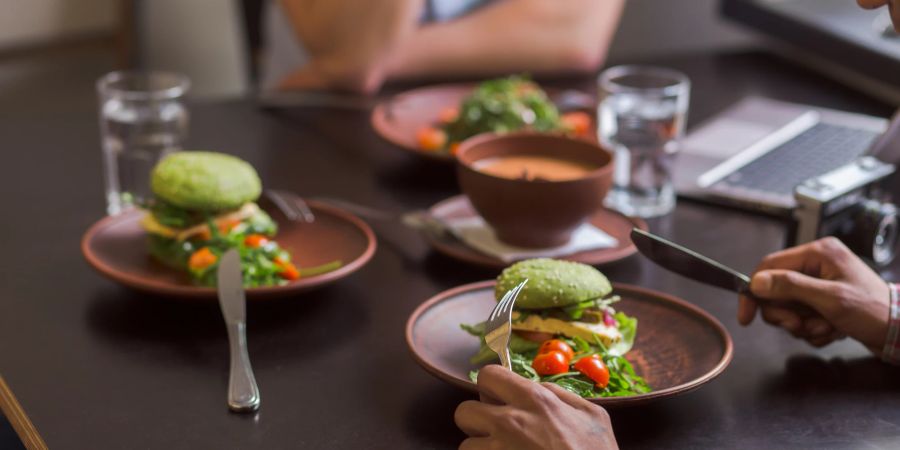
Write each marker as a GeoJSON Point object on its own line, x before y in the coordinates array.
{"type": "Point", "coordinates": [263, 261]}
{"type": "Point", "coordinates": [622, 378]}
{"type": "Point", "coordinates": [501, 105]}
{"type": "Point", "coordinates": [504, 105]}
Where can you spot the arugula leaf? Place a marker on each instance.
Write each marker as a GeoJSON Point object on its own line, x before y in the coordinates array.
{"type": "Point", "coordinates": [628, 328]}
{"type": "Point", "coordinates": [485, 355]}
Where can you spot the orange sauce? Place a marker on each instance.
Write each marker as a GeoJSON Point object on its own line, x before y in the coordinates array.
{"type": "Point", "coordinates": [533, 168]}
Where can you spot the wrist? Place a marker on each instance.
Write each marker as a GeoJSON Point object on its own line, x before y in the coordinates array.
{"type": "Point", "coordinates": [891, 352]}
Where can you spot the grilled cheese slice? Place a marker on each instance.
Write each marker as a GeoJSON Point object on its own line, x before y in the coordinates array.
{"type": "Point", "coordinates": [151, 225]}
{"type": "Point", "coordinates": [607, 334]}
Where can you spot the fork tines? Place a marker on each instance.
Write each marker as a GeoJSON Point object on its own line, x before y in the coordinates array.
{"type": "Point", "coordinates": [292, 205]}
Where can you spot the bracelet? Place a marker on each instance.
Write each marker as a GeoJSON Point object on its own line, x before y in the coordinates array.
{"type": "Point", "coordinates": [891, 353]}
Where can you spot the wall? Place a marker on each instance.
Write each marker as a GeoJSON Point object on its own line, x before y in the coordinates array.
{"type": "Point", "coordinates": [28, 22]}
{"type": "Point", "coordinates": [203, 37]}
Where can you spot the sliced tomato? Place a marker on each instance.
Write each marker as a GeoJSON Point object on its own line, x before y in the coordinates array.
{"type": "Point", "coordinates": [550, 363]}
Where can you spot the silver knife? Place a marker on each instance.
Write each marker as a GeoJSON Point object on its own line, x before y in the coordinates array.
{"type": "Point", "coordinates": [243, 394]}
{"type": "Point", "coordinates": [697, 267]}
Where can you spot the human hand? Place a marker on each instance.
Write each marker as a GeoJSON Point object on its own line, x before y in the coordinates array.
{"type": "Point", "coordinates": [847, 296]}
{"type": "Point", "coordinates": [893, 7]}
{"type": "Point", "coordinates": [530, 416]}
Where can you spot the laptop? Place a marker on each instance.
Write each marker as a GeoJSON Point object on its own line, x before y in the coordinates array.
{"type": "Point", "coordinates": [753, 154]}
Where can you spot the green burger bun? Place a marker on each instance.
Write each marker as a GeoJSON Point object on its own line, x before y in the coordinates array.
{"type": "Point", "coordinates": [205, 181]}
{"type": "Point", "coordinates": [552, 283]}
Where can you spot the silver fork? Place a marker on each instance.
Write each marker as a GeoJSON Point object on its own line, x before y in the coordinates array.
{"type": "Point", "coordinates": [292, 205]}
{"type": "Point", "coordinates": [418, 220]}
{"type": "Point", "coordinates": [498, 328]}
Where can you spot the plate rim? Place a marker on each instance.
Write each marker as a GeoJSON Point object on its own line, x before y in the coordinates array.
{"type": "Point", "coordinates": [206, 293]}
{"type": "Point", "coordinates": [672, 391]}
{"type": "Point", "coordinates": [482, 260]}
{"type": "Point", "coordinates": [378, 112]}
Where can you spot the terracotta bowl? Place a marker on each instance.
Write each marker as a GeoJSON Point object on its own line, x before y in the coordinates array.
{"type": "Point", "coordinates": [527, 213]}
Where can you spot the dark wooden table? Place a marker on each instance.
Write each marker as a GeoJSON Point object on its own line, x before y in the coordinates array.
{"type": "Point", "coordinates": [97, 366]}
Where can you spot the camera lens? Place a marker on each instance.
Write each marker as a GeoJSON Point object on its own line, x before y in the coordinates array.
{"type": "Point", "coordinates": [884, 247]}
{"type": "Point", "coordinates": [874, 232]}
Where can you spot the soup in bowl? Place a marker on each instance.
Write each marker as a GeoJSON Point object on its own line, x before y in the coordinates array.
{"type": "Point", "coordinates": [534, 189]}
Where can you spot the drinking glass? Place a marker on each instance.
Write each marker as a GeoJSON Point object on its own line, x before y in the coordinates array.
{"type": "Point", "coordinates": [641, 117]}
{"type": "Point", "coordinates": [142, 119]}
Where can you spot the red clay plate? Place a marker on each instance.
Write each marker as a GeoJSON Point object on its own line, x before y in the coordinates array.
{"type": "Point", "coordinates": [612, 222]}
{"type": "Point", "coordinates": [116, 247]}
{"type": "Point", "coordinates": [679, 347]}
{"type": "Point", "coordinates": [398, 118]}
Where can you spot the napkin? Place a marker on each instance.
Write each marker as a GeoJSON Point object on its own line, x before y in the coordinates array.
{"type": "Point", "coordinates": [479, 235]}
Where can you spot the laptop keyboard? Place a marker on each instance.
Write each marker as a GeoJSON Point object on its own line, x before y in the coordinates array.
{"type": "Point", "coordinates": [820, 149]}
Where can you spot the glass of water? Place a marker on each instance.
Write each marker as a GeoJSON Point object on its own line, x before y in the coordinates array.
{"type": "Point", "coordinates": [142, 118]}
{"type": "Point", "coordinates": [641, 117]}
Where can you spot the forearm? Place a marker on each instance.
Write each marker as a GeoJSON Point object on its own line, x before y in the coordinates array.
{"type": "Point", "coordinates": [348, 40]}
{"type": "Point", "coordinates": [537, 36]}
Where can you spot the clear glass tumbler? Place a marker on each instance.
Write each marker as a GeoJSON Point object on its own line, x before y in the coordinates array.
{"type": "Point", "coordinates": [641, 117]}
{"type": "Point", "coordinates": [142, 118]}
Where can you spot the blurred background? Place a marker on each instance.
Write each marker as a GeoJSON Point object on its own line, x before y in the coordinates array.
{"type": "Point", "coordinates": [55, 49]}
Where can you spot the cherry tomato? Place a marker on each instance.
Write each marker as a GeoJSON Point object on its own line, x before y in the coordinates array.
{"type": "Point", "coordinates": [577, 121]}
{"type": "Point", "coordinates": [431, 138]}
{"type": "Point", "coordinates": [534, 336]}
{"type": "Point", "coordinates": [255, 241]}
{"type": "Point", "coordinates": [556, 345]}
{"type": "Point", "coordinates": [202, 259]}
{"type": "Point", "coordinates": [593, 368]}
{"type": "Point", "coordinates": [550, 363]}
{"type": "Point", "coordinates": [288, 269]}
{"type": "Point", "coordinates": [448, 114]}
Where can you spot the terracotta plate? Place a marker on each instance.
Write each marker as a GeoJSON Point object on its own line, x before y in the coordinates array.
{"type": "Point", "coordinates": [398, 118]}
{"type": "Point", "coordinates": [679, 346]}
{"type": "Point", "coordinates": [116, 246]}
{"type": "Point", "coordinates": [612, 222]}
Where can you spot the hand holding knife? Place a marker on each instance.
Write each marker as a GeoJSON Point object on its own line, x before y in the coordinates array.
{"type": "Point", "coordinates": [697, 267]}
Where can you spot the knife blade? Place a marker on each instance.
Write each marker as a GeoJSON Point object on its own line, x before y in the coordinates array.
{"type": "Point", "coordinates": [697, 267]}
{"type": "Point", "coordinates": [689, 263]}
{"type": "Point", "coordinates": [243, 393]}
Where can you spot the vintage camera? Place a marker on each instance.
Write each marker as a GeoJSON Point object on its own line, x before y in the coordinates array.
{"type": "Point", "coordinates": [849, 203]}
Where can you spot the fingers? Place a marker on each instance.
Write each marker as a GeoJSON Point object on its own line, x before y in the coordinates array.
{"type": "Point", "coordinates": [477, 443]}
{"type": "Point", "coordinates": [570, 398]}
{"type": "Point", "coordinates": [780, 284]}
{"type": "Point", "coordinates": [821, 341]}
{"type": "Point", "coordinates": [746, 310]}
{"type": "Point", "coordinates": [488, 399]}
{"type": "Point", "coordinates": [784, 318]}
{"type": "Point", "coordinates": [817, 327]}
{"type": "Point", "coordinates": [505, 386]}
{"type": "Point", "coordinates": [871, 4]}
{"type": "Point", "coordinates": [809, 258]}
{"type": "Point", "coordinates": [894, 8]}
{"type": "Point", "coordinates": [474, 418]}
